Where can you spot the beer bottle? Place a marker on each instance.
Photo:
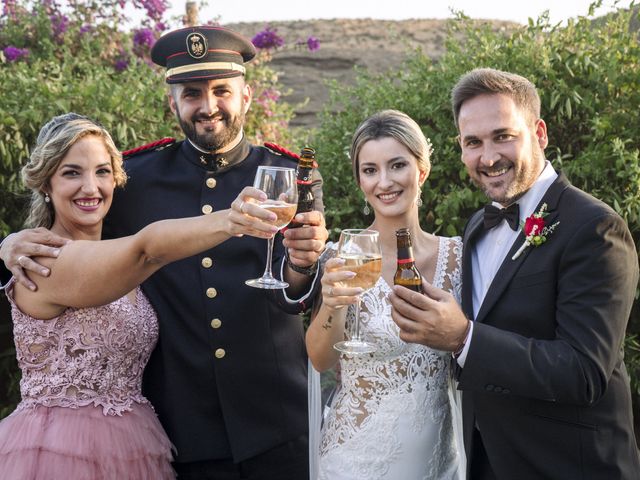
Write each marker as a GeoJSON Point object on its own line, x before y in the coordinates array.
{"type": "Point", "coordinates": [306, 164]}
{"type": "Point", "coordinates": [406, 274]}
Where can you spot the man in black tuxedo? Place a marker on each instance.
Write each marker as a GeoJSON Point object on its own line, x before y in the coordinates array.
{"type": "Point", "coordinates": [538, 344]}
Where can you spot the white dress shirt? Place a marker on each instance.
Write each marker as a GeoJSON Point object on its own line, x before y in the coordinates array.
{"type": "Point", "coordinates": [491, 249]}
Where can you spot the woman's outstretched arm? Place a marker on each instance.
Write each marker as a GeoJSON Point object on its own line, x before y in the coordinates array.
{"type": "Point", "coordinates": [90, 273]}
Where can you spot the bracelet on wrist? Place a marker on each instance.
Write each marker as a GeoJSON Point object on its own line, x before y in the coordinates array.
{"type": "Point", "coordinates": [463, 341]}
{"type": "Point", "coordinates": [310, 271]}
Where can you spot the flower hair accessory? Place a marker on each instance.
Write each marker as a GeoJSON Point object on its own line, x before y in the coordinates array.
{"type": "Point", "coordinates": [535, 230]}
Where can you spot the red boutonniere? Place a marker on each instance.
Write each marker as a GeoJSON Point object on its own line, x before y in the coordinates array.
{"type": "Point", "coordinates": [536, 230]}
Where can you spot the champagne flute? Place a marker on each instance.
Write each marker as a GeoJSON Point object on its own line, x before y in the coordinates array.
{"type": "Point", "coordinates": [360, 250]}
{"type": "Point", "coordinates": [279, 184]}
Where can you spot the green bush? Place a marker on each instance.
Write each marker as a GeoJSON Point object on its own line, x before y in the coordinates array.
{"type": "Point", "coordinates": [589, 81]}
{"type": "Point", "coordinates": [588, 75]}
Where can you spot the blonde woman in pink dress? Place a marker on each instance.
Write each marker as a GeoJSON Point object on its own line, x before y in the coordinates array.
{"type": "Point", "coordinates": [84, 336]}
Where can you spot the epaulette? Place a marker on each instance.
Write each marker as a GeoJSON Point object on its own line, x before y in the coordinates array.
{"type": "Point", "coordinates": [281, 150]}
{"type": "Point", "coordinates": [157, 145]}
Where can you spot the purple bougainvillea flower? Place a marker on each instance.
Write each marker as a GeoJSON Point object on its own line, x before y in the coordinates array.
{"type": "Point", "coordinates": [13, 54]}
{"type": "Point", "coordinates": [121, 64]}
{"type": "Point", "coordinates": [270, 94]}
{"type": "Point", "coordinates": [155, 8]}
{"type": "Point", "coordinates": [144, 37]}
{"type": "Point", "coordinates": [59, 25]}
{"type": "Point", "coordinates": [9, 8]}
{"type": "Point", "coordinates": [313, 44]}
{"type": "Point", "coordinates": [268, 38]}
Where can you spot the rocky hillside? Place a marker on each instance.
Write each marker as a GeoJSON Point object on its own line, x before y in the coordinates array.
{"type": "Point", "coordinates": [378, 45]}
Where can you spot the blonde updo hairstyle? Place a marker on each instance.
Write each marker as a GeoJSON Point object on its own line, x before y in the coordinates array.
{"type": "Point", "coordinates": [393, 124]}
{"type": "Point", "coordinates": [54, 141]}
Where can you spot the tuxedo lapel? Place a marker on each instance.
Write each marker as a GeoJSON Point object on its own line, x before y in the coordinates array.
{"type": "Point", "coordinates": [509, 266]}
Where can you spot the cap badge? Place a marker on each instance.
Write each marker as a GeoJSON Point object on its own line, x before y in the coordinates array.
{"type": "Point", "coordinates": [196, 45]}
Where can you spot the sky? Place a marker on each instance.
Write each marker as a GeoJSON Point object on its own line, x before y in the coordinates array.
{"type": "Point", "coordinates": [271, 10]}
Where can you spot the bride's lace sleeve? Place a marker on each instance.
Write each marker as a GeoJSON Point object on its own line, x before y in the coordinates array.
{"type": "Point", "coordinates": [453, 273]}
{"type": "Point", "coordinates": [453, 284]}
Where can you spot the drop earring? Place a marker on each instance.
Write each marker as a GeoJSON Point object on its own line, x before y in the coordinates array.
{"type": "Point", "coordinates": [47, 198]}
{"type": "Point", "coordinates": [419, 201]}
{"type": "Point", "coordinates": [366, 210]}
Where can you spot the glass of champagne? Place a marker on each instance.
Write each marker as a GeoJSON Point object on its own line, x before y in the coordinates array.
{"type": "Point", "coordinates": [360, 250]}
{"type": "Point", "coordinates": [279, 184]}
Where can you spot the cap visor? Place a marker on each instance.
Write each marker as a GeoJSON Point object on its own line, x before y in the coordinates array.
{"type": "Point", "coordinates": [202, 75]}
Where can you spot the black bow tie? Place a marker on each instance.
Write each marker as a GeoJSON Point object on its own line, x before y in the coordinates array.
{"type": "Point", "coordinates": [494, 215]}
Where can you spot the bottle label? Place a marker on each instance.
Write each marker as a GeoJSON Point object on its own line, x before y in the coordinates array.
{"type": "Point", "coordinates": [303, 176]}
{"type": "Point", "coordinates": [415, 288]}
{"type": "Point", "coordinates": [305, 205]}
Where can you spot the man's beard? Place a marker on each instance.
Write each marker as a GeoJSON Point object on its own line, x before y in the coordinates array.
{"type": "Point", "coordinates": [212, 141]}
{"type": "Point", "coordinates": [523, 181]}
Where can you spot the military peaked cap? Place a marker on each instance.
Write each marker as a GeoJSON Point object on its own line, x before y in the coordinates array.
{"type": "Point", "coordinates": [202, 53]}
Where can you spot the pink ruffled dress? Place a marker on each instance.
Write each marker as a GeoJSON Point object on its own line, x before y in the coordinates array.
{"type": "Point", "coordinates": [82, 414]}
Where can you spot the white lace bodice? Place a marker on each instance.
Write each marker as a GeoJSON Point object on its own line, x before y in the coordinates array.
{"type": "Point", "coordinates": [394, 399]}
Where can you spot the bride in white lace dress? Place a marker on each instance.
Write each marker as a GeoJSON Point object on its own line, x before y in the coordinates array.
{"type": "Point", "coordinates": [394, 415]}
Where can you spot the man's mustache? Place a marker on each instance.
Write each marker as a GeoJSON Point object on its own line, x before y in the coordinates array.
{"type": "Point", "coordinates": [218, 116]}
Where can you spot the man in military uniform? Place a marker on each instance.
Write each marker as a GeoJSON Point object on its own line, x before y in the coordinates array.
{"type": "Point", "coordinates": [228, 377]}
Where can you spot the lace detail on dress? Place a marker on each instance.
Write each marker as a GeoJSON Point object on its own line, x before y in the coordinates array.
{"type": "Point", "coordinates": [390, 399]}
{"type": "Point", "coordinates": [85, 356]}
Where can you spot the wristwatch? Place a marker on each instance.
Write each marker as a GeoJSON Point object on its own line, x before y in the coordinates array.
{"type": "Point", "coordinates": [309, 271]}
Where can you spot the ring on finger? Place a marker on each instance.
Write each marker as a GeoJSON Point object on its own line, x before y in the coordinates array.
{"type": "Point", "coordinates": [20, 259]}
{"type": "Point", "coordinates": [330, 291]}
{"type": "Point", "coordinates": [241, 206]}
